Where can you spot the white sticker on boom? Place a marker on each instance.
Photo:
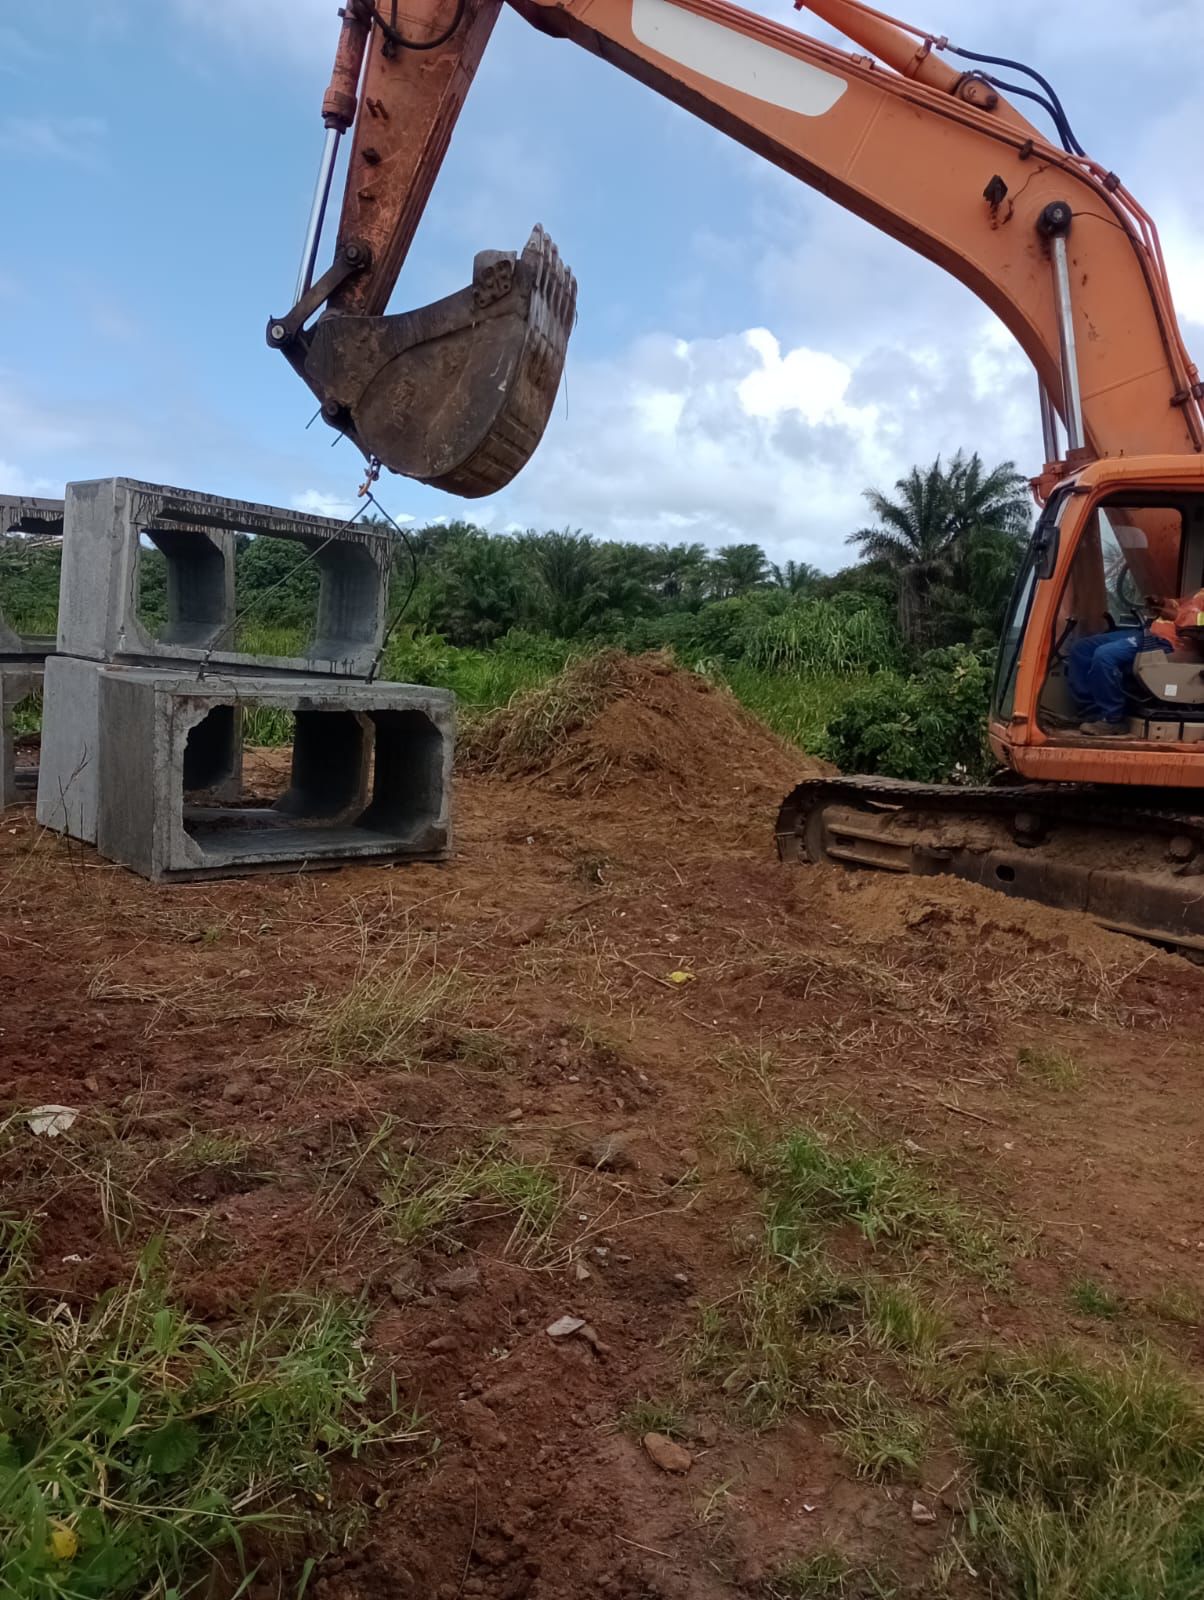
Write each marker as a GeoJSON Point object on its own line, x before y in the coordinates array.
{"type": "Point", "coordinates": [1171, 691]}
{"type": "Point", "coordinates": [734, 60]}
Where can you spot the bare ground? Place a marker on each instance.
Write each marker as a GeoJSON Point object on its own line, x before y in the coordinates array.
{"type": "Point", "coordinates": [549, 1018]}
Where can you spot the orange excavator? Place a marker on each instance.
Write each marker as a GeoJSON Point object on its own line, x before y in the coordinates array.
{"type": "Point", "coordinates": [923, 140]}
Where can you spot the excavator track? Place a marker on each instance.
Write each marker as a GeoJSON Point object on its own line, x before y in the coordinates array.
{"type": "Point", "coordinates": [1121, 856]}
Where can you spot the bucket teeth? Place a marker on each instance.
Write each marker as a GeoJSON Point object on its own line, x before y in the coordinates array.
{"type": "Point", "coordinates": [456, 394]}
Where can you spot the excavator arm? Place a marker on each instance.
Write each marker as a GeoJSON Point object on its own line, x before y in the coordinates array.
{"type": "Point", "coordinates": [459, 393]}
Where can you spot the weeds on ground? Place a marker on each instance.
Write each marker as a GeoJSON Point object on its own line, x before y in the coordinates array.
{"type": "Point", "coordinates": [882, 1435]}
{"type": "Point", "coordinates": [1091, 1476]}
{"type": "Point", "coordinates": [1054, 1068]}
{"type": "Point", "coordinates": [427, 1201]}
{"type": "Point", "coordinates": [829, 1575]}
{"type": "Point", "coordinates": [203, 1150]}
{"type": "Point", "coordinates": [393, 1010]}
{"type": "Point", "coordinates": [1093, 1300]}
{"type": "Point", "coordinates": [654, 1416]}
{"type": "Point", "coordinates": [812, 1181]}
{"type": "Point", "coordinates": [1181, 1303]}
{"type": "Point", "coordinates": [137, 1445]}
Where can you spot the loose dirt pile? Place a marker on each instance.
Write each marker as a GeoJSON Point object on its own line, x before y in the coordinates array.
{"type": "Point", "coordinates": [642, 727]}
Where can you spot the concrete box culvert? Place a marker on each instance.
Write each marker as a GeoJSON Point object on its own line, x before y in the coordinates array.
{"type": "Point", "coordinates": [112, 526]}
{"type": "Point", "coordinates": [370, 775]}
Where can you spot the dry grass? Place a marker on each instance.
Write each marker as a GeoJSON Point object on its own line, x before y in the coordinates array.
{"type": "Point", "coordinates": [394, 1009]}
{"type": "Point", "coordinates": [182, 1002]}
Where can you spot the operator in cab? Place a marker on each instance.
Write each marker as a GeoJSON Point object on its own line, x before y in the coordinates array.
{"type": "Point", "coordinates": [1098, 667]}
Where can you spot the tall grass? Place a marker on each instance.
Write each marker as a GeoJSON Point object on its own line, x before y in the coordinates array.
{"type": "Point", "coordinates": [818, 636]}
{"type": "Point", "coordinates": [798, 707]}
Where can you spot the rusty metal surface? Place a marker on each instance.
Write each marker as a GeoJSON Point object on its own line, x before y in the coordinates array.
{"type": "Point", "coordinates": [1132, 864]}
{"type": "Point", "coordinates": [456, 394]}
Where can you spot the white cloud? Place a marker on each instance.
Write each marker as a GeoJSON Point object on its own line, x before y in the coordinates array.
{"type": "Point", "coordinates": [323, 505]}
{"type": "Point", "coordinates": [75, 139]}
{"type": "Point", "coordinates": [338, 507]}
{"type": "Point", "coordinates": [296, 29]}
{"type": "Point", "coordinates": [739, 438]}
{"type": "Point", "coordinates": [15, 483]}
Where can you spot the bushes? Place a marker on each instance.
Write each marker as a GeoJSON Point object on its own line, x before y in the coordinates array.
{"type": "Point", "coordinates": [930, 727]}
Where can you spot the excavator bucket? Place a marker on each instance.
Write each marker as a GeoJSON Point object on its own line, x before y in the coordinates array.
{"type": "Point", "coordinates": [456, 394]}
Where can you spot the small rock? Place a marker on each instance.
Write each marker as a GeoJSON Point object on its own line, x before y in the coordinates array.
{"type": "Point", "coordinates": [444, 1343]}
{"type": "Point", "coordinates": [668, 1455]}
{"type": "Point", "coordinates": [404, 1285]}
{"type": "Point", "coordinates": [516, 1115]}
{"type": "Point", "coordinates": [581, 1272]}
{"type": "Point", "coordinates": [481, 1425]}
{"type": "Point", "coordinates": [922, 1514]}
{"type": "Point", "coordinates": [565, 1327]}
{"type": "Point", "coordinates": [609, 1154]}
{"type": "Point", "coordinates": [689, 1155]}
{"type": "Point", "coordinates": [236, 1090]}
{"type": "Point", "coordinates": [459, 1281]}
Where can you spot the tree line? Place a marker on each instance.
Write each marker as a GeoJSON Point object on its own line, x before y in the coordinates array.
{"type": "Point", "coordinates": [935, 563]}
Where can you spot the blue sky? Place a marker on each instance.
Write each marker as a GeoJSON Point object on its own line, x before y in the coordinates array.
{"type": "Point", "coordinates": [747, 360]}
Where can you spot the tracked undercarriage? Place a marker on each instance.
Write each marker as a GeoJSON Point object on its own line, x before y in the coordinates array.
{"type": "Point", "coordinates": [1122, 856]}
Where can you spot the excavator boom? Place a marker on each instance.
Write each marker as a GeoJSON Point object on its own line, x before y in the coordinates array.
{"type": "Point", "coordinates": [930, 154]}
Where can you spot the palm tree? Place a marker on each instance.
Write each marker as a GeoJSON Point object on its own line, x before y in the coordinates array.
{"type": "Point", "coordinates": [794, 576]}
{"type": "Point", "coordinates": [928, 530]}
{"type": "Point", "coordinates": [738, 568]}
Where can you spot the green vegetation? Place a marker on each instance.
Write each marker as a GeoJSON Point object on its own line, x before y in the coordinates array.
{"type": "Point", "coordinates": [428, 1202]}
{"type": "Point", "coordinates": [137, 1446]}
{"type": "Point", "coordinates": [1093, 1300]}
{"type": "Point", "coordinates": [1054, 1068]}
{"type": "Point", "coordinates": [828, 1575]}
{"type": "Point", "coordinates": [654, 1416]}
{"type": "Point", "coordinates": [1091, 1477]}
{"type": "Point", "coordinates": [390, 1012]}
{"type": "Point", "coordinates": [929, 726]}
{"type": "Point", "coordinates": [857, 664]}
{"type": "Point", "coordinates": [811, 1181]}
{"type": "Point", "coordinates": [809, 1329]}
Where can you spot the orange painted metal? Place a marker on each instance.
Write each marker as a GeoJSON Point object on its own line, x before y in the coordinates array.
{"type": "Point", "coordinates": [914, 160]}
{"type": "Point", "coordinates": [409, 105]}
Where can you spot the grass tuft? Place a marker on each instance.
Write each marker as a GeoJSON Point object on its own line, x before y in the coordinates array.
{"type": "Point", "coordinates": [1093, 1300]}
{"type": "Point", "coordinates": [432, 1202]}
{"type": "Point", "coordinates": [1054, 1068]}
{"type": "Point", "coordinates": [394, 1009]}
{"type": "Point", "coordinates": [654, 1416]}
{"type": "Point", "coordinates": [1092, 1476]}
{"type": "Point", "coordinates": [828, 1574]}
{"type": "Point", "coordinates": [811, 1180]}
{"type": "Point", "coordinates": [137, 1445]}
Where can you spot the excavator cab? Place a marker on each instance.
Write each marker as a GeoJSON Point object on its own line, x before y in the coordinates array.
{"type": "Point", "coordinates": [1114, 545]}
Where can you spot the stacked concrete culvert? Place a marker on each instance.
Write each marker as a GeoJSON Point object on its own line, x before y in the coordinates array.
{"type": "Point", "coordinates": [142, 727]}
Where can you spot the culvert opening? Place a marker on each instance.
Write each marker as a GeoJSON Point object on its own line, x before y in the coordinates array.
{"type": "Point", "coordinates": [184, 594]}
{"type": "Point", "coordinates": [334, 783]}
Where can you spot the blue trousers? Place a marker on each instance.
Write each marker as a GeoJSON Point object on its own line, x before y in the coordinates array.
{"type": "Point", "coordinates": [1097, 668]}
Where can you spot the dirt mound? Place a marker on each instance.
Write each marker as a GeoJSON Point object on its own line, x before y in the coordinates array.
{"type": "Point", "coordinates": [877, 908]}
{"type": "Point", "coordinates": [640, 726]}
